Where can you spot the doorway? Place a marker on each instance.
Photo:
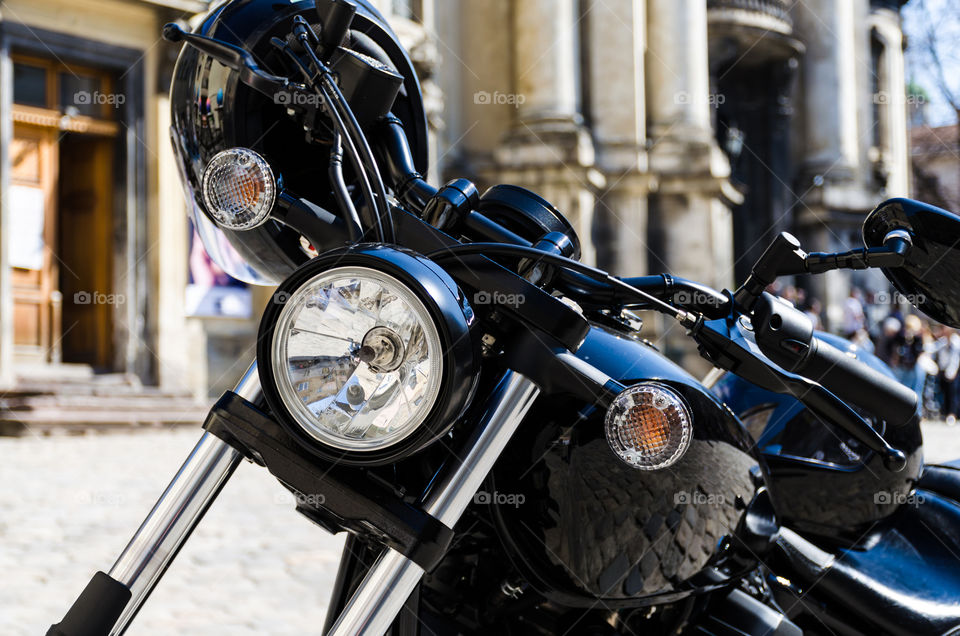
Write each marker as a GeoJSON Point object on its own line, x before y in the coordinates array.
{"type": "Point", "coordinates": [85, 232]}
{"type": "Point", "coordinates": [64, 177]}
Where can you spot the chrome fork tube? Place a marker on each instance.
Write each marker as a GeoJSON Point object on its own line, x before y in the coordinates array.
{"type": "Point", "coordinates": [393, 577]}
{"type": "Point", "coordinates": [178, 511]}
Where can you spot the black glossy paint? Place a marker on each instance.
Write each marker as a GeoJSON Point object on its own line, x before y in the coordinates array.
{"type": "Point", "coordinates": [902, 578]}
{"type": "Point", "coordinates": [823, 481]}
{"type": "Point", "coordinates": [213, 110]}
{"type": "Point", "coordinates": [930, 277]}
{"type": "Point", "coordinates": [590, 527]}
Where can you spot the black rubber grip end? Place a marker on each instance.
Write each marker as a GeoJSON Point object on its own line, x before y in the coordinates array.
{"type": "Point", "coordinates": [96, 610]}
{"type": "Point", "coordinates": [172, 32]}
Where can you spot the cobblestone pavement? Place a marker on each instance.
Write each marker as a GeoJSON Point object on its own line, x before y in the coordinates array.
{"type": "Point", "coordinates": [68, 505]}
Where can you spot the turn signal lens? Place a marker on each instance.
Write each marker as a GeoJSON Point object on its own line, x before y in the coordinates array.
{"type": "Point", "coordinates": [239, 189]}
{"type": "Point", "coordinates": [648, 426]}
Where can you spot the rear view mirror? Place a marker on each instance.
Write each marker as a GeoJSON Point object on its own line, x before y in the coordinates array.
{"type": "Point", "coordinates": [930, 275]}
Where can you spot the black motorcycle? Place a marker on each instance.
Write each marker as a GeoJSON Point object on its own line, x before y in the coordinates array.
{"type": "Point", "coordinates": [439, 377]}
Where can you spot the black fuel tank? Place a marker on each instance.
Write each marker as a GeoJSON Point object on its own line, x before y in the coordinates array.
{"type": "Point", "coordinates": [583, 526]}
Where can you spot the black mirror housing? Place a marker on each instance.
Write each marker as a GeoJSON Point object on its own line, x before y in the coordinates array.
{"type": "Point", "coordinates": [930, 274]}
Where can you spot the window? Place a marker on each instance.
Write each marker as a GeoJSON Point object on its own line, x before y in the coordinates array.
{"type": "Point", "coordinates": [29, 85]}
{"type": "Point", "coordinates": [68, 89]}
{"type": "Point", "coordinates": [409, 9]}
{"type": "Point", "coordinates": [84, 93]}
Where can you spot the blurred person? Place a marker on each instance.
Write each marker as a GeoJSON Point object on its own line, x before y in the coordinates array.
{"type": "Point", "coordinates": [888, 340]}
{"type": "Point", "coordinates": [907, 348]}
{"type": "Point", "coordinates": [948, 362]}
{"type": "Point", "coordinates": [863, 340]}
{"type": "Point", "coordinates": [927, 365]}
{"type": "Point", "coordinates": [853, 315]}
{"type": "Point", "coordinates": [814, 311]}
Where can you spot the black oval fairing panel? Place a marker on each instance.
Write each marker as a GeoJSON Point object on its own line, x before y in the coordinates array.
{"type": "Point", "coordinates": [584, 526]}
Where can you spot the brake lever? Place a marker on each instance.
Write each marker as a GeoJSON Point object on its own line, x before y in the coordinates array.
{"type": "Point", "coordinates": [740, 356]}
{"type": "Point", "coordinates": [233, 57]}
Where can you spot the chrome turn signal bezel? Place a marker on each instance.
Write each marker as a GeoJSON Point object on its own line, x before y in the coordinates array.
{"type": "Point", "coordinates": [663, 433]}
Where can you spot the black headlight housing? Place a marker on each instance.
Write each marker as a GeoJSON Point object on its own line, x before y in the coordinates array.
{"type": "Point", "coordinates": [450, 314]}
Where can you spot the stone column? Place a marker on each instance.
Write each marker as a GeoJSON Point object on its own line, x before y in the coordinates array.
{"type": "Point", "coordinates": [892, 97]}
{"type": "Point", "coordinates": [617, 39]}
{"type": "Point", "coordinates": [829, 93]}
{"type": "Point", "coordinates": [690, 225]}
{"type": "Point", "coordinates": [678, 81]}
{"type": "Point", "coordinates": [547, 149]}
{"type": "Point", "coordinates": [6, 138]}
{"type": "Point", "coordinates": [176, 360]}
{"type": "Point", "coordinates": [545, 49]}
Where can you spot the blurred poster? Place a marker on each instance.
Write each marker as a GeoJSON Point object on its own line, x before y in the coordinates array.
{"type": "Point", "coordinates": [210, 291]}
{"type": "Point", "coordinates": [26, 227]}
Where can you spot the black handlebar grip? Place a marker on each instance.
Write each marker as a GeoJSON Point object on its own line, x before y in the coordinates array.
{"type": "Point", "coordinates": [172, 32]}
{"type": "Point", "coordinates": [857, 383]}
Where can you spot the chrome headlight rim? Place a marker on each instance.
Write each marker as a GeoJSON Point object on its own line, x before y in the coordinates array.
{"type": "Point", "coordinates": [450, 314]}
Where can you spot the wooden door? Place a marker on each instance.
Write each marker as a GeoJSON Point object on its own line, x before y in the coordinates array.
{"type": "Point", "coordinates": [61, 235]}
{"type": "Point", "coordinates": [33, 232]}
{"type": "Point", "coordinates": [86, 248]}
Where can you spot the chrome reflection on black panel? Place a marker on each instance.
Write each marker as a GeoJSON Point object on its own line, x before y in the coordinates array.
{"type": "Point", "coordinates": [586, 526]}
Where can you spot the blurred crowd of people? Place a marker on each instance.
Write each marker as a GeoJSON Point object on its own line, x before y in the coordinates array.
{"type": "Point", "coordinates": [924, 355]}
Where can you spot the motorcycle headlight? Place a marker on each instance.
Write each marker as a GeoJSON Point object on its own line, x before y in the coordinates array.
{"type": "Point", "coordinates": [367, 354]}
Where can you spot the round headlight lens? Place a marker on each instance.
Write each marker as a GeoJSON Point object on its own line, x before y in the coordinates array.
{"type": "Point", "coordinates": [357, 359]}
{"type": "Point", "coordinates": [648, 426]}
{"type": "Point", "coordinates": [239, 189]}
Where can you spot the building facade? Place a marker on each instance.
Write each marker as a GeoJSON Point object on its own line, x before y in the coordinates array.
{"type": "Point", "coordinates": [680, 135]}
{"type": "Point", "coordinates": [675, 134]}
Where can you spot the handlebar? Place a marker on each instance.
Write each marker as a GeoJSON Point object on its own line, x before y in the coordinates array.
{"type": "Point", "coordinates": [855, 382]}
{"type": "Point", "coordinates": [785, 335]}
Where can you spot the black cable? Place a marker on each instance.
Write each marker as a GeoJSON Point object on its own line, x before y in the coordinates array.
{"type": "Point", "coordinates": [336, 99]}
{"type": "Point", "coordinates": [358, 167]}
{"type": "Point", "coordinates": [385, 212]}
{"type": "Point", "coordinates": [340, 191]}
{"type": "Point", "coordinates": [340, 126]}
{"type": "Point", "coordinates": [561, 261]}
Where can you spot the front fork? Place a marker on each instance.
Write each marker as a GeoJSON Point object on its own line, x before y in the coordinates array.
{"type": "Point", "coordinates": [110, 601]}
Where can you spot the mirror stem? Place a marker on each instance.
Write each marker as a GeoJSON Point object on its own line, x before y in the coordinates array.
{"type": "Point", "coordinates": [895, 248]}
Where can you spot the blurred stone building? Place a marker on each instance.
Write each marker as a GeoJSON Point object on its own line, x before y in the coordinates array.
{"type": "Point", "coordinates": [676, 134]}
{"type": "Point", "coordinates": [681, 134]}
{"type": "Point", "coordinates": [935, 155]}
